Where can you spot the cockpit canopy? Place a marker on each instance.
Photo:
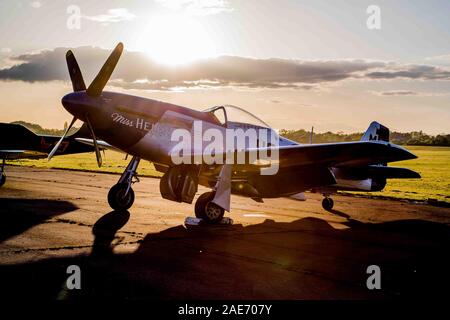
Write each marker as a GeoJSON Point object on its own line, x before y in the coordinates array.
{"type": "Point", "coordinates": [232, 114]}
{"type": "Point", "coordinates": [234, 117]}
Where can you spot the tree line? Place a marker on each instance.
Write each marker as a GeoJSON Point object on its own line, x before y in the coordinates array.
{"type": "Point", "coordinates": [415, 138]}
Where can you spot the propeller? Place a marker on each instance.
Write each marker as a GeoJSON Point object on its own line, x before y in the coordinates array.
{"type": "Point", "coordinates": [94, 90]}
{"type": "Point", "coordinates": [55, 148]}
{"type": "Point", "coordinates": [96, 87]}
{"type": "Point", "coordinates": [75, 73]}
{"type": "Point", "coordinates": [97, 150]}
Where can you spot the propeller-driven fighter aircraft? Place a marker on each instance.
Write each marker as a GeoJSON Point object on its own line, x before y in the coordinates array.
{"type": "Point", "coordinates": [18, 142]}
{"type": "Point", "coordinates": [263, 165]}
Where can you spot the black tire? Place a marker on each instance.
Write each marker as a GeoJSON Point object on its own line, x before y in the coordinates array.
{"type": "Point", "coordinates": [116, 198]}
{"type": "Point", "coordinates": [208, 211]}
{"type": "Point", "coordinates": [327, 203]}
{"type": "Point", "coordinates": [2, 179]}
{"type": "Point", "coordinates": [200, 204]}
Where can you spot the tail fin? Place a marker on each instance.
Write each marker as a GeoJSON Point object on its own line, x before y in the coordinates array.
{"type": "Point", "coordinates": [83, 132]}
{"type": "Point", "coordinates": [376, 132]}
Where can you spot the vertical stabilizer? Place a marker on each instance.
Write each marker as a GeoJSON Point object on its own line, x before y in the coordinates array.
{"type": "Point", "coordinates": [376, 132]}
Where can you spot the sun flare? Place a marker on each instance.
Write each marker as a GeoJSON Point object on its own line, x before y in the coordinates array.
{"type": "Point", "coordinates": [176, 39]}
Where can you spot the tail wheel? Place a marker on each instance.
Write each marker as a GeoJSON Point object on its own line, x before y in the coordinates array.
{"type": "Point", "coordinates": [119, 199]}
{"type": "Point", "coordinates": [2, 179]}
{"type": "Point", "coordinates": [327, 203]}
{"type": "Point", "coordinates": [207, 210]}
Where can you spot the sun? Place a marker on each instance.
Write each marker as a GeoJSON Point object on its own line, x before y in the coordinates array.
{"type": "Point", "coordinates": [176, 39]}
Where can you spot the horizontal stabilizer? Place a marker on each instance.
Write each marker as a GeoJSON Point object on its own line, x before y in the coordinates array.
{"type": "Point", "coordinates": [393, 172]}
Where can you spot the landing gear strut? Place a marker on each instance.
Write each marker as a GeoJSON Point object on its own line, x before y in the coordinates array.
{"type": "Point", "coordinates": [121, 195]}
{"type": "Point", "coordinates": [207, 210]}
{"type": "Point", "coordinates": [327, 203]}
{"type": "Point", "coordinates": [3, 175]}
{"type": "Point", "coordinates": [211, 206]}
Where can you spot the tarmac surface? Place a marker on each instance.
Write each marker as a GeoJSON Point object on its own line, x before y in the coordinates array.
{"type": "Point", "coordinates": [279, 249]}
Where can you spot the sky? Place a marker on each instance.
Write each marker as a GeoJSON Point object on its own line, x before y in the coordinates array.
{"type": "Point", "coordinates": [335, 65]}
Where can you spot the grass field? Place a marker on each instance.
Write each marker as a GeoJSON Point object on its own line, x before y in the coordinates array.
{"type": "Point", "coordinates": [433, 164]}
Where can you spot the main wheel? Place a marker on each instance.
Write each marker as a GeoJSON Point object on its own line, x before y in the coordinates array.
{"type": "Point", "coordinates": [2, 179]}
{"type": "Point", "coordinates": [327, 203]}
{"type": "Point", "coordinates": [117, 198]}
{"type": "Point", "coordinates": [207, 210]}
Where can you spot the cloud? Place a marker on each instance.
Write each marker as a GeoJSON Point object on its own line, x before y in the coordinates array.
{"type": "Point", "coordinates": [408, 93]}
{"type": "Point", "coordinates": [112, 15]}
{"type": "Point", "coordinates": [5, 50]}
{"type": "Point", "coordinates": [197, 7]}
{"type": "Point", "coordinates": [416, 72]}
{"type": "Point", "coordinates": [136, 71]}
{"type": "Point", "coordinates": [36, 4]}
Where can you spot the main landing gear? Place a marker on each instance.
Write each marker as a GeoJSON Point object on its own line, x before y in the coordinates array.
{"type": "Point", "coordinates": [207, 210]}
{"type": "Point", "coordinates": [121, 195]}
{"type": "Point", "coordinates": [211, 206]}
{"type": "Point", "coordinates": [3, 175]}
{"type": "Point", "coordinates": [327, 203]}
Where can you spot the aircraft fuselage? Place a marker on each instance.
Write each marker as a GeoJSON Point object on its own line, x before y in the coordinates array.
{"type": "Point", "coordinates": [136, 125]}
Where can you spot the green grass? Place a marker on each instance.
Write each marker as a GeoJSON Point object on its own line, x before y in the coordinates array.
{"type": "Point", "coordinates": [433, 164]}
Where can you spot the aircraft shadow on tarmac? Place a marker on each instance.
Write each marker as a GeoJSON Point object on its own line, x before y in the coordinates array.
{"type": "Point", "coordinates": [19, 216]}
{"type": "Point", "coordinates": [340, 213]}
{"type": "Point", "coordinates": [303, 259]}
{"type": "Point", "coordinates": [105, 230]}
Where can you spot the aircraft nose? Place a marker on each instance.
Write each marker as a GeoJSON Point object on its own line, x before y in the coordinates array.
{"type": "Point", "coordinates": [68, 103]}
{"type": "Point", "coordinates": [77, 104]}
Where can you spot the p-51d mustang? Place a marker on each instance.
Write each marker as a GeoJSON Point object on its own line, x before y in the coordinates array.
{"type": "Point", "coordinates": [151, 130]}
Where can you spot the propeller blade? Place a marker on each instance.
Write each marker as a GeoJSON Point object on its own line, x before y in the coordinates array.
{"type": "Point", "coordinates": [75, 73]}
{"type": "Point", "coordinates": [94, 139]}
{"type": "Point", "coordinates": [55, 148]}
{"type": "Point", "coordinates": [96, 87]}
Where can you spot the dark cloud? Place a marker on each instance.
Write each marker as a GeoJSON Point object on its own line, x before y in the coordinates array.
{"type": "Point", "coordinates": [137, 71]}
{"type": "Point", "coordinates": [421, 72]}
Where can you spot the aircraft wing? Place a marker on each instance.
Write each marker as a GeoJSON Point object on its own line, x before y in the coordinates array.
{"type": "Point", "coordinates": [343, 154]}
{"type": "Point", "coordinates": [21, 154]}
{"type": "Point", "coordinates": [356, 153]}
{"type": "Point", "coordinates": [101, 144]}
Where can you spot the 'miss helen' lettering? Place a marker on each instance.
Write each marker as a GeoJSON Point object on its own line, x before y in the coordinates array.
{"type": "Point", "coordinates": [140, 124]}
